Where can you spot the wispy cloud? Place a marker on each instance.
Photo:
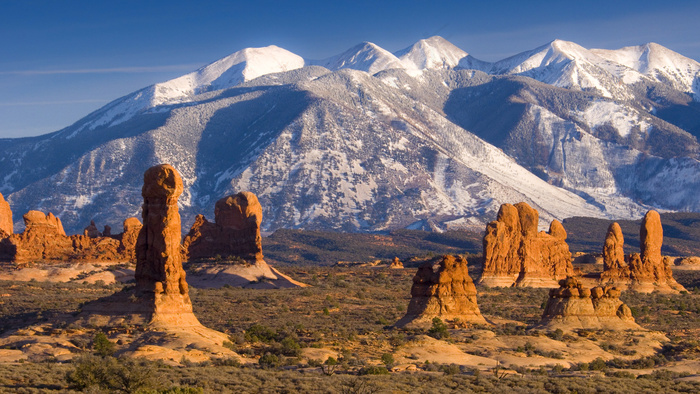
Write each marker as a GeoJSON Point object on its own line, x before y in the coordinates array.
{"type": "Point", "coordinates": [115, 70]}
{"type": "Point", "coordinates": [55, 102]}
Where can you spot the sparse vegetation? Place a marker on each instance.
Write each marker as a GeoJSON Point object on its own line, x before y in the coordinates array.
{"type": "Point", "coordinates": [275, 327]}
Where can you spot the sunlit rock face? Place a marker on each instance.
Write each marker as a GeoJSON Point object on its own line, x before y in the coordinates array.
{"type": "Point", "coordinates": [443, 289]}
{"type": "Point", "coordinates": [516, 254]}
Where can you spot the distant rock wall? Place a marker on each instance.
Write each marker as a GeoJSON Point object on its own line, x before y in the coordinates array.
{"type": "Point", "coordinates": [515, 253]}
{"type": "Point", "coordinates": [644, 272]}
{"type": "Point", "coordinates": [444, 289]}
{"type": "Point", "coordinates": [235, 233]}
{"type": "Point", "coordinates": [44, 239]}
{"type": "Point", "coordinates": [573, 306]}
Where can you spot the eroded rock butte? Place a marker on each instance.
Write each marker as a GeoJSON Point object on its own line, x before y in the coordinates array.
{"type": "Point", "coordinates": [515, 253]}
{"type": "Point", "coordinates": [573, 306]}
{"type": "Point", "coordinates": [444, 289]}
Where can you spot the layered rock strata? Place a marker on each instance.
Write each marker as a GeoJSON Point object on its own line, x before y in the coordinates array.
{"type": "Point", "coordinates": [573, 306]}
{"type": "Point", "coordinates": [444, 289]}
{"type": "Point", "coordinates": [234, 234]}
{"type": "Point", "coordinates": [643, 272]}
{"type": "Point", "coordinates": [44, 239]}
{"type": "Point", "coordinates": [515, 253]}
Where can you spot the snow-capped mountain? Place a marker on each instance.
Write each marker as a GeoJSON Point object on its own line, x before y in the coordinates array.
{"type": "Point", "coordinates": [426, 137]}
{"type": "Point", "coordinates": [366, 57]}
{"type": "Point", "coordinates": [433, 53]}
{"type": "Point", "coordinates": [659, 64]}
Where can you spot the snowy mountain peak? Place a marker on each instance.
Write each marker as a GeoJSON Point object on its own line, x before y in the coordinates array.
{"type": "Point", "coordinates": [659, 63]}
{"type": "Point", "coordinates": [366, 56]}
{"type": "Point", "coordinates": [230, 71]}
{"type": "Point", "coordinates": [431, 53]}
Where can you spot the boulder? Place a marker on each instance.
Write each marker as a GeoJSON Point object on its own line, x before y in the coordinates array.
{"type": "Point", "coordinates": [516, 254]}
{"type": "Point", "coordinates": [443, 289]}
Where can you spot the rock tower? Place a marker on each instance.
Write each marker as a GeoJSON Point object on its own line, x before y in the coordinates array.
{"type": "Point", "coordinates": [515, 253]}
{"type": "Point", "coordinates": [645, 271]}
{"type": "Point", "coordinates": [235, 232]}
{"type": "Point", "coordinates": [6, 225]}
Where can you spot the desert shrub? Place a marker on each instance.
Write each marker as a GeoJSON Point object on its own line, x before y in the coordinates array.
{"type": "Point", "coordinates": [260, 333]}
{"type": "Point", "coordinates": [92, 372]}
{"type": "Point", "coordinates": [387, 359]}
{"type": "Point", "coordinates": [269, 360]}
{"type": "Point", "coordinates": [450, 369]}
{"type": "Point", "coordinates": [102, 346]}
{"type": "Point", "coordinates": [439, 329]}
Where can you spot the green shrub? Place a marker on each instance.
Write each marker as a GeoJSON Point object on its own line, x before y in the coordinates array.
{"type": "Point", "coordinates": [269, 360]}
{"type": "Point", "coordinates": [259, 333]}
{"type": "Point", "coordinates": [102, 346]}
{"type": "Point", "coordinates": [439, 329]}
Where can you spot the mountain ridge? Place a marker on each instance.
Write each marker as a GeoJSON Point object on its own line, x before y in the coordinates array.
{"type": "Point", "coordinates": [377, 140]}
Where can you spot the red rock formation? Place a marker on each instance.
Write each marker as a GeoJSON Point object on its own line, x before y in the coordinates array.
{"type": "Point", "coordinates": [573, 306]}
{"type": "Point", "coordinates": [613, 249]}
{"type": "Point", "coordinates": [6, 224]}
{"type": "Point", "coordinates": [91, 230]}
{"type": "Point", "coordinates": [443, 289]}
{"type": "Point", "coordinates": [44, 240]}
{"type": "Point", "coordinates": [643, 272]}
{"type": "Point", "coordinates": [236, 232]}
{"type": "Point", "coordinates": [396, 264]}
{"type": "Point", "coordinates": [516, 254]}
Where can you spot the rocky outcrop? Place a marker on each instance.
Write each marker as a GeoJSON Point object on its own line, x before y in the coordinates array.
{"type": "Point", "coordinates": [44, 239]}
{"type": "Point", "coordinates": [153, 319]}
{"type": "Point", "coordinates": [444, 289]}
{"type": "Point", "coordinates": [396, 264]}
{"type": "Point", "coordinates": [6, 224]}
{"type": "Point", "coordinates": [235, 233]}
{"type": "Point", "coordinates": [516, 254]}
{"type": "Point", "coordinates": [92, 231]}
{"type": "Point", "coordinates": [573, 306]}
{"type": "Point", "coordinates": [643, 272]}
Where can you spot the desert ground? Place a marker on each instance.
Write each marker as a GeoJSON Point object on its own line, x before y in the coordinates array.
{"type": "Point", "coordinates": [336, 335]}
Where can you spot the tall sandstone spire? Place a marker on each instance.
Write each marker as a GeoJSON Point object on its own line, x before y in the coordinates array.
{"type": "Point", "coordinates": [642, 272]}
{"type": "Point", "coordinates": [6, 226]}
{"type": "Point", "coordinates": [160, 279]}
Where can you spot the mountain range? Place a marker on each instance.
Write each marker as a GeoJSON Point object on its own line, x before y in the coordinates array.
{"type": "Point", "coordinates": [427, 137]}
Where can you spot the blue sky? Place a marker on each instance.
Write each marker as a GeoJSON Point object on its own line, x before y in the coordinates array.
{"type": "Point", "coordinates": [60, 60]}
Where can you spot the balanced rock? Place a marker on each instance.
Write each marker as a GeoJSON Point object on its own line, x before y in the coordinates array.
{"type": "Point", "coordinates": [573, 306]}
{"type": "Point", "coordinates": [235, 233]}
{"type": "Point", "coordinates": [6, 224]}
{"type": "Point", "coordinates": [444, 289]}
{"type": "Point", "coordinates": [516, 254]}
{"type": "Point", "coordinates": [643, 272]}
